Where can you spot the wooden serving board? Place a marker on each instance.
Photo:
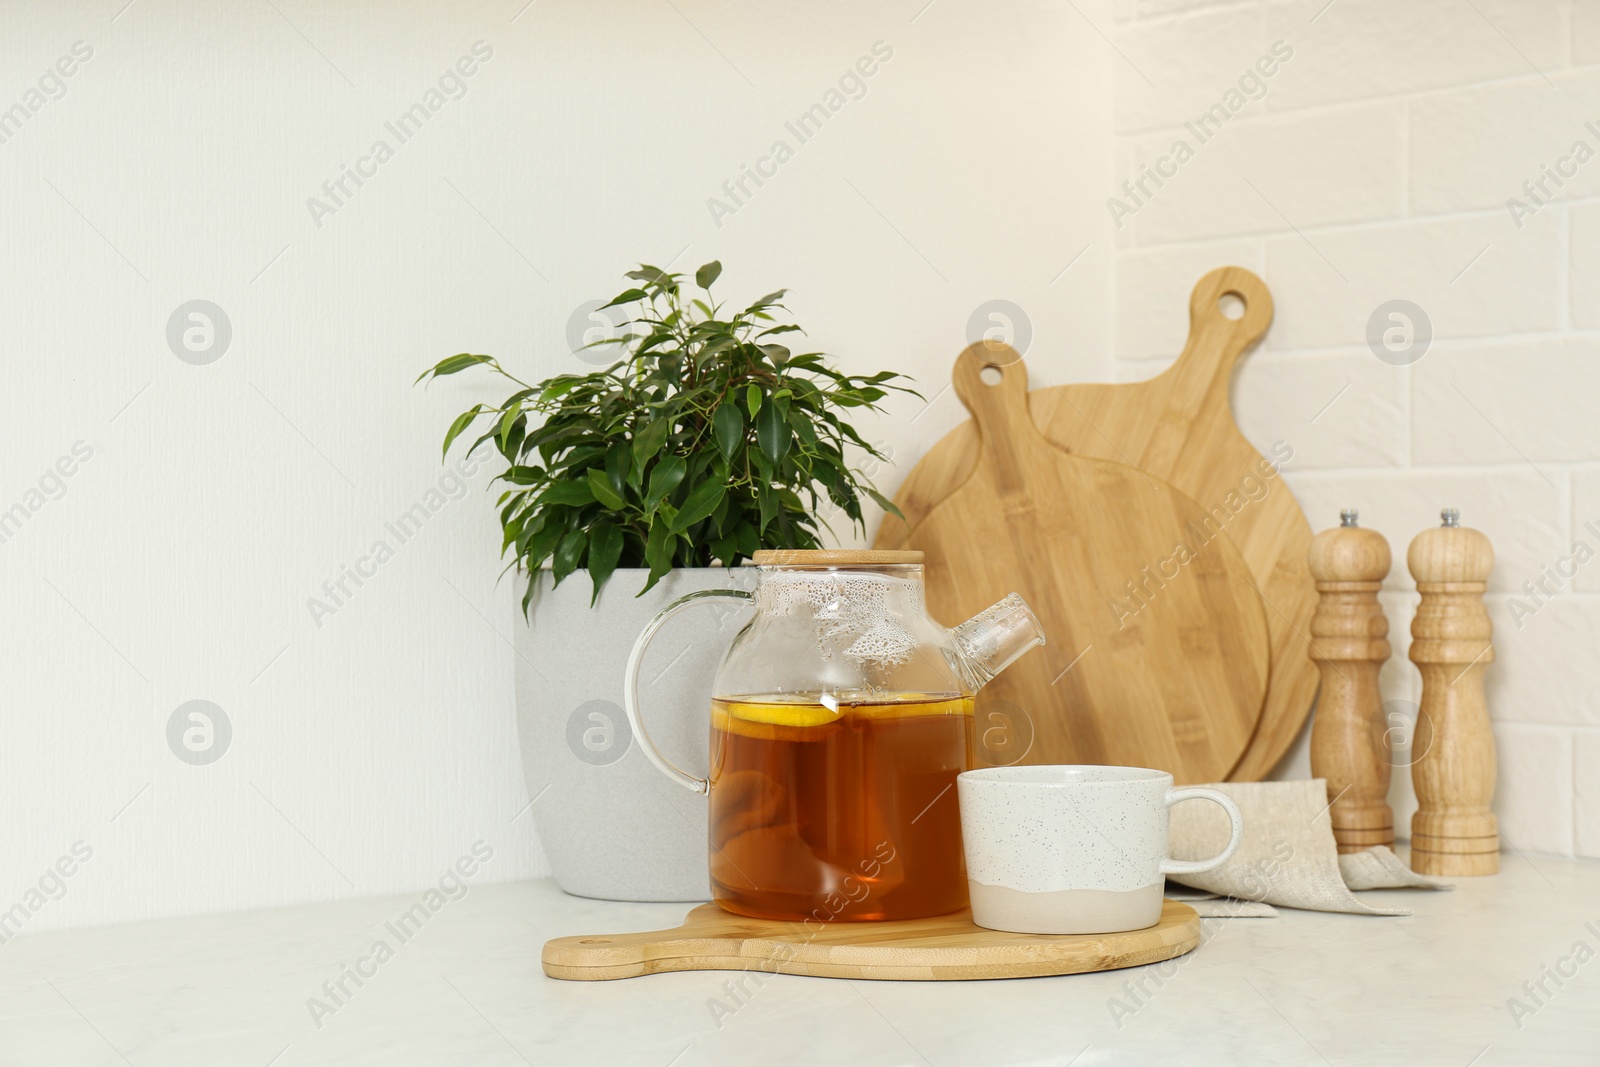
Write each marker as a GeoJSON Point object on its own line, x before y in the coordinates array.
{"type": "Point", "coordinates": [945, 948]}
{"type": "Point", "coordinates": [1179, 427]}
{"type": "Point", "coordinates": [1156, 650]}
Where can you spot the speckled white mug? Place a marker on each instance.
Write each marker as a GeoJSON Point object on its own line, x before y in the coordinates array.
{"type": "Point", "coordinates": [1074, 849]}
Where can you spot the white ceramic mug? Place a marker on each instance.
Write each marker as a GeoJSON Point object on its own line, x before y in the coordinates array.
{"type": "Point", "coordinates": [1074, 849]}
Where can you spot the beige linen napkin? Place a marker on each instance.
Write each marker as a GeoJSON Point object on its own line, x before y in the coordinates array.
{"type": "Point", "coordinates": [1287, 856]}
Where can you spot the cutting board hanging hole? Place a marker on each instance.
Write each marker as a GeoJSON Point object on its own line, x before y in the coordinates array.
{"type": "Point", "coordinates": [1232, 306]}
{"type": "Point", "coordinates": [991, 375]}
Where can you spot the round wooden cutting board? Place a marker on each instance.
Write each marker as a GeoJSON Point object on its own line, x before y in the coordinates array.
{"type": "Point", "coordinates": [1179, 428]}
{"type": "Point", "coordinates": [946, 947]}
{"type": "Point", "coordinates": [1157, 645]}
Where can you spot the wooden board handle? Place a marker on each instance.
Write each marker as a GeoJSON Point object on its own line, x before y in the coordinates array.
{"type": "Point", "coordinates": [1000, 399]}
{"type": "Point", "coordinates": [992, 381]}
{"type": "Point", "coordinates": [1216, 341]}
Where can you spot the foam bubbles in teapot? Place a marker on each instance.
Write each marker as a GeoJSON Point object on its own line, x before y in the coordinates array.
{"type": "Point", "coordinates": [858, 614]}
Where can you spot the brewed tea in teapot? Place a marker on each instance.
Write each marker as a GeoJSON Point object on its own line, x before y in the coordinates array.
{"type": "Point", "coordinates": [840, 717]}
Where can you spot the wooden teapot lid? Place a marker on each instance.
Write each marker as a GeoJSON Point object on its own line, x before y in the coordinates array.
{"type": "Point", "coordinates": [833, 557]}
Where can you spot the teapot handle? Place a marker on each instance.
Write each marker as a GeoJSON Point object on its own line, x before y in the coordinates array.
{"type": "Point", "coordinates": [630, 688]}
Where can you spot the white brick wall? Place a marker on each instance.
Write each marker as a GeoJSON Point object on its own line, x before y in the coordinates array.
{"type": "Point", "coordinates": [1377, 166]}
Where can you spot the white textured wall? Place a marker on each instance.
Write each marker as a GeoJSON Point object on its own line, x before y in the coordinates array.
{"type": "Point", "coordinates": [1377, 166]}
{"type": "Point", "coordinates": [176, 561]}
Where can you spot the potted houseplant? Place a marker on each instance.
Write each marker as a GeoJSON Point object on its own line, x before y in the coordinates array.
{"type": "Point", "coordinates": [707, 440]}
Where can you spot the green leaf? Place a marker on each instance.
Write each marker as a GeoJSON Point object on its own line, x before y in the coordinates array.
{"type": "Point", "coordinates": [508, 420]}
{"type": "Point", "coordinates": [657, 552]}
{"type": "Point", "coordinates": [458, 427]}
{"type": "Point", "coordinates": [605, 549]}
{"type": "Point", "coordinates": [707, 274]}
{"type": "Point", "coordinates": [651, 275]}
{"type": "Point", "coordinates": [664, 479]}
{"type": "Point", "coordinates": [600, 485]}
{"type": "Point", "coordinates": [511, 534]}
{"type": "Point", "coordinates": [556, 388]}
{"type": "Point", "coordinates": [757, 459]}
{"type": "Point", "coordinates": [568, 554]}
{"type": "Point", "coordinates": [715, 348]}
{"type": "Point", "coordinates": [654, 340]}
{"type": "Point", "coordinates": [728, 424]}
{"type": "Point", "coordinates": [883, 502]}
{"type": "Point", "coordinates": [649, 440]}
{"type": "Point", "coordinates": [619, 464]}
{"type": "Point", "coordinates": [511, 446]}
{"type": "Point", "coordinates": [700, 504]}
{"type": "Point", "coordinates": [542, 543]}
{"type": "Point", "coordinates": [576, 493]}
{"type": "Point", "coordinates": [627, 296]}
{"type": "Point", "coordinates": [773, 433]}
{"type": "Point", "coordinates": [752, 399]}
{"type": "Point", "coordinates": [803, 429]}
{"type": "Point", "coordinates": [520, 475]}
{"type": "Point", "coordinates": [453, 365]}
{"type": "Point", "coordinates": [768, 505]}
{"type": "Point", "coordinates": [748, 537]}
{"type": "Point", "coordinates": [523, 540]}
{"type": "Point", "coordinates": [766, 301]}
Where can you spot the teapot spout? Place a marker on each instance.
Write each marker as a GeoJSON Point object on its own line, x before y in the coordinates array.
{"type": "Point", "coordinates": [995, 638]}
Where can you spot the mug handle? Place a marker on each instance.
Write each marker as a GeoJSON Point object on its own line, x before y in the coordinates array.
{"type": "Point", "coordinates": [1178, 796]}
{"type": "Point", "coordinates": [630, 685]}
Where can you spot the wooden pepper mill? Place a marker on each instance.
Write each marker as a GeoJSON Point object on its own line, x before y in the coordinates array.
{"type": "Point", "coordinates": [1349, 642]}
{"type": "Point", "coordinates": [1453, 768]}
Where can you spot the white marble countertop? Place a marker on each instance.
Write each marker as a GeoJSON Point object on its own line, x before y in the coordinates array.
{"type": "Point", "coordinates": [466, 988]}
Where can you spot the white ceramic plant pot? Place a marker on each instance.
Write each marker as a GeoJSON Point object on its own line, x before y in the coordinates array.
{"type": "Point", "coordinates": [612, 825]}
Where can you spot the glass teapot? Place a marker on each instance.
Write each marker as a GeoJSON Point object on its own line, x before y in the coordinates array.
{"type": "Point", "coordinates": [840, 717]}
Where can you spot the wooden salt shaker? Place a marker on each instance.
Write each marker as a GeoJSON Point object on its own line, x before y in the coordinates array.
{"type": "Point", "coordinates": [1453, 832]}
{"type": "Point", "coordinates": [1349, 642]}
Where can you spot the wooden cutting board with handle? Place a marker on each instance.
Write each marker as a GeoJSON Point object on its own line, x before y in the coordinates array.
{"type": "Point", "coordinates": [1179, 427]}
{"type": "Point", "coordinates": [943, 948]}
{"type": "Point", "coordinates": [1157, 645]}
